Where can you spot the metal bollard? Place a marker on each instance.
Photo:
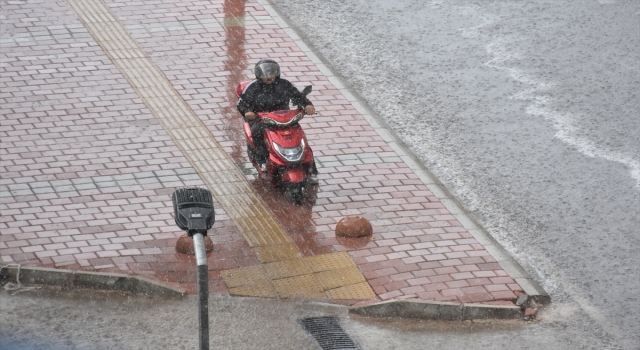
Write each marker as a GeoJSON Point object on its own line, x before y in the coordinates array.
{"type": "Point", "coordinates": [193, 210]}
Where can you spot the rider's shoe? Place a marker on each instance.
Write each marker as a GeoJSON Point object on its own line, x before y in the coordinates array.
{"type": "Point", "coordinates": [263, 168]}
{"type": "Point", "coordinates": [313, 179]}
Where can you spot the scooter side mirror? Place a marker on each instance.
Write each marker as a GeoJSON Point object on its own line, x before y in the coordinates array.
{"type": "Point", "coordinates": [307, 89]}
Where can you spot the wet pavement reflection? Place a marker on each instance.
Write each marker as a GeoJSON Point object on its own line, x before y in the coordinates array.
{"type": "Point", "coordinates": [235, 65]}
{"type": "Point", "coordinates": [296, 219]}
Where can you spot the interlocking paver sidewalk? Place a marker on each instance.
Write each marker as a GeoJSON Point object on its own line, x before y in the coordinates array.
{"type": "Point", "coordinates": [88, 172]}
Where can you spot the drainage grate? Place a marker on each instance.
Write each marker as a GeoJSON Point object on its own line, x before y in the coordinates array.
{"type": "Point", "coordinates": [328, 333]}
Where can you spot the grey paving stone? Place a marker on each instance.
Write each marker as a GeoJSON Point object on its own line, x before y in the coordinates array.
{"type": "Point", "coordinates": [130, 188]}
{"type": "Point", "coordinates": [106, 184]}
{"type": "Point", "coordinates": [160, 173]}
{"type": "Point", "coordinates": [185, 171]}
{"type": "Point", "coordinates": [86, 186]}
{"type": "Point", "coordinates": [40, 33]}
{"type": "Point", "coordinates": [392, 159]}
{"type": "Point", "coordinates": [40, 184]}
{"type": "Point", "coordinates": [19, 193]}
{"type": "Point", "coordinates": [82, 180]}
{"type": "Point", "coordinates": [102, 179]}
{"type": "Point", "coordinates": [144, 174]}
{"type": "Point", "coordinates": [17, 187]}
{"type": "Point", "coordinates": [344, 157]}
{"type": "Point", "coordinates": [189, 177]}
{"type": "Point", "coordinates": [60, 183]}
{"type": "Point", "coordinates": [210, 23]}
{"type": "Point", "coordinates": [352, 162]}
{"type": "Point", "coordinates": [124, 177]}
{"type": "Point", "coordinates": [68, 194]}
{"type": "Point", "coordinates": [123, 183]}
{"type": "Point", "coordinates": [372, 160]}
{"type": "Point", "coordinates": [328, 164]}
{"type": "Point", "coordinates": [326, 159]}
{"type": "Point", "coordinates": [197, 182]}
{"type": "Point", "coordinates": [63, 188]}
{"type": "Point", "coordinates": [6, 182]}
{"type": "Point", "coordinates": [167, 179]}
{"type": "Point", "coordinates": [42, 190]}
{"type": "Point", "coordinates": [367, 155]}
{"type": "Point", "coordinates": [148, 180]}
{"type": "Point", "coordinates": [135, 27]}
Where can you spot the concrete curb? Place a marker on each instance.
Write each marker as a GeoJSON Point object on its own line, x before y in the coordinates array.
{"type": "Point", "coordinates": [441, 311]}
{"type": "Point", "coordinates": [417, 309]}
{"type": "Point", "coordinates": [504, 259]}
{"type": "Point", "coordinates": [85, 279]}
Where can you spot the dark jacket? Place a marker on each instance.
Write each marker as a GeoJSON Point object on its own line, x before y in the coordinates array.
{"type": "Point", "coordinates": [261, 97]}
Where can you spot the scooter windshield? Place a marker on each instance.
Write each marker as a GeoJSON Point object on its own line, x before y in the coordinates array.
{"type": "Point", "coordinates": [282, 121]}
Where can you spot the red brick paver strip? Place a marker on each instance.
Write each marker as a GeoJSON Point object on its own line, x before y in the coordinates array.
{"type": "Point", "coordinates": [87, 170]}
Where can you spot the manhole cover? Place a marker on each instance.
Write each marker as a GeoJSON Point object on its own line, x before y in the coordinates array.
{"type": "Point", "coordinates": [328, 333]}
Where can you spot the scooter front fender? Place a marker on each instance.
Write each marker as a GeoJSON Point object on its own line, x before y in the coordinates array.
{"type": "Point", "coordinates": [296, 175]}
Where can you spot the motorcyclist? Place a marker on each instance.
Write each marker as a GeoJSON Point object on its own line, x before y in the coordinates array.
{"type": "Point", "coordinates": [268, 92]}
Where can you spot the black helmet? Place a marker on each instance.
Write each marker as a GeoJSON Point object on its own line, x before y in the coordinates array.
{"type": "Point", "coordinates": [267, 67]}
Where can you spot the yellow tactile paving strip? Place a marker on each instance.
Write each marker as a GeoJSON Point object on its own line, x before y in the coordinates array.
{"type": "Point", "coordinates": [330, 276]}
{"type": "Point", "coordinates": [284, 273]}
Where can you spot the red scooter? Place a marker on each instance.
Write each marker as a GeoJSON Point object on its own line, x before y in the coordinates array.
{"type": "Point", "coordinates": [290, 160]}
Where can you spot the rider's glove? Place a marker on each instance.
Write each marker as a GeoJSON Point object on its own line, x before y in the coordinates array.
{"type": "Point", "coordinates": [310, 109]}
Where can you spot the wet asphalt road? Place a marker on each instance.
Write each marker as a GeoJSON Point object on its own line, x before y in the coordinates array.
{"type": "Point", "coordinates": [53, 319]}
{"type": "Point", "coordinates": [528, 112]}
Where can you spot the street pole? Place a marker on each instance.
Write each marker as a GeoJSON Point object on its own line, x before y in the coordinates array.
{"type": "Point", "coordinates": [193, 212]}
{"type": "Point", "coordinates": [203, 289]}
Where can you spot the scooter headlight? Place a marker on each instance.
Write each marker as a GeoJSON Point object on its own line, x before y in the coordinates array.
{"type": "Point", "coordinates": [290, 154]}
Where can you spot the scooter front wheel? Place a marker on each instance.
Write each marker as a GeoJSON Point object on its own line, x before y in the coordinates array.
{"type": "Point", "coordinates": [295, 191]}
